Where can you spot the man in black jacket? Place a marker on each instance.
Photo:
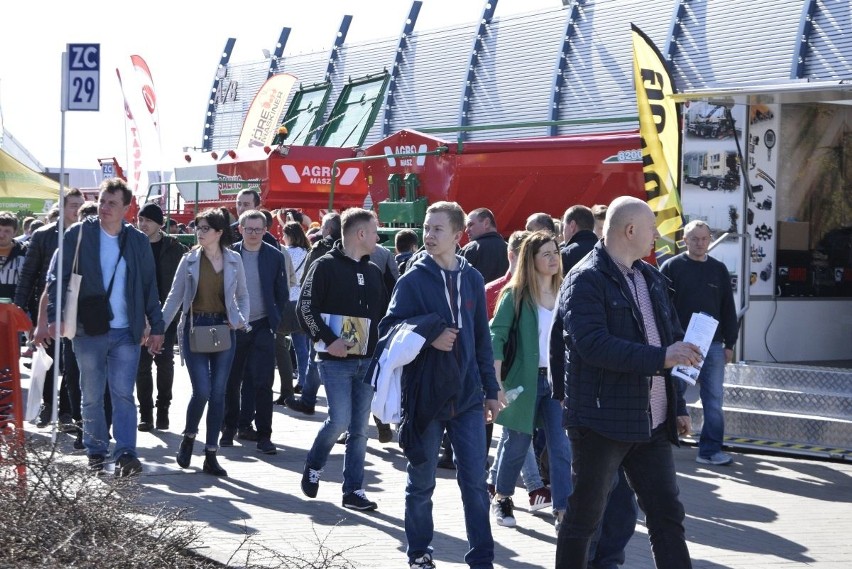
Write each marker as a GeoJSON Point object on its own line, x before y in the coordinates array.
{"type": "Point", "coordinates": [306, 402]}
{"type": "Point", "coordinates": [578, 226]}
{"type": "Point", "coordinates": [341, 302]}
{"type": "Point", "coordinates": [168, 252]}
{"type": "Point", "coordinates": [12, 254]}
{"type": "Point", "coordinates": [702, 284]}
{"type": "Point", "coordinates": [616, 325]}
{"type": "Point", "coordinates": [487, 248]}
{"type": "Point", "coordinates": [31, 283]}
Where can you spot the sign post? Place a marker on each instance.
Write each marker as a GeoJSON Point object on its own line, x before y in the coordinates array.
{"type": "Point", "coordinates": [81, 91]}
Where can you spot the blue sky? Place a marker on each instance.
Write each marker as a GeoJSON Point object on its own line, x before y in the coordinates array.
{"type": "Point", "coordinates": [181, 42]}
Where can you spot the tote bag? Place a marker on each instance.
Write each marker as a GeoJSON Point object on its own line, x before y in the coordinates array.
{"type": "Point", "coordinates": [72, 295]}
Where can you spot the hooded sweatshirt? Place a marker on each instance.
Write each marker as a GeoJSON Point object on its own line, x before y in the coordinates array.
{"type": "Point", "coordinates": [458, 298]}
{"type": "Point", "coordinates": [337, 284]}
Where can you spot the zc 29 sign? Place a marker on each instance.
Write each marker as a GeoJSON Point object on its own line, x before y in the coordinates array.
{"type": "Point", "coordinates": [81, 67]}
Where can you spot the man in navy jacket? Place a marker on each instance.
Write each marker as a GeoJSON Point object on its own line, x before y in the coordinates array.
{"type": "Point", "coordinates": [249, 391]}
{"type": "Point", "coordinates": [118, 268]}
{"type": "Point", "coordinates": [613, 344]}
{"type": "Point", "coordinates": [444, 284]}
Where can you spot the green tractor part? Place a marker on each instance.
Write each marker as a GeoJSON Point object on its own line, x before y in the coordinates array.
{"type": "Point", "coordinates": [398, 212]}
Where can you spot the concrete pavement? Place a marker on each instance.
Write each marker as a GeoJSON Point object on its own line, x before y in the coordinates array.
{"type": "Point", "coordinates": [760, 512]}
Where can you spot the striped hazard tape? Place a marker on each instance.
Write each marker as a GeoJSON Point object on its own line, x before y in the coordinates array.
{"type": "Point", "coordinates": [785, 447]}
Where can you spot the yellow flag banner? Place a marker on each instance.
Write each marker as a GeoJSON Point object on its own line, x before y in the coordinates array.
{"type": "Point", "coordinates": [266, 110]}
{"type": "Point", "coordinates": [659, 131]}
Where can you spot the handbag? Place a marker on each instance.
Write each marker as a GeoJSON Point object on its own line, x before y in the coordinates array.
{"type": "Point", "coordinates": [41, 363]}
{"type": "Point", "coordinates": [510, 349]}
{"type": "Point", "coordinates": [289, 320]}
{"type": "Point", "coordinates": [208, 339]}
{"type": "Point", "coordinates": [72, 294]}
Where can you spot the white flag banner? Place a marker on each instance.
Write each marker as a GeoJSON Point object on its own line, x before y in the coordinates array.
{"type": "Point", "coordinates": [137, 176]}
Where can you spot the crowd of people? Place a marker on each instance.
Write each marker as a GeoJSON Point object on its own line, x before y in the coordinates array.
{"type": "Point", "coordinates": [564, 336]}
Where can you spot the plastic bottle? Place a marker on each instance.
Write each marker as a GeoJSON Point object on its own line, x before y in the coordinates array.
{"type": "Point", "coordinates": [513, 393]}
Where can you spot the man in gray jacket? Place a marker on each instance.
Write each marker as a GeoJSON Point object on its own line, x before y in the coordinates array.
{"type": "Point", "coordinates": [118, 292]}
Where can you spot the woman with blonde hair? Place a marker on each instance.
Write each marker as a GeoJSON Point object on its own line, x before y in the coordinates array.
{"type": "Point", "coordinates": [525, 312]}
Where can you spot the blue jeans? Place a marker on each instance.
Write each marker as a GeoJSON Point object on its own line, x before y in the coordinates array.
{"type": "Point", "coordinates": [649, 467]}
{"type": "Point", "coordinates": [208, 374]}
{"type": "Point", "coordinates": [312, 380]}
{"type": "Point", "coordinates": [349, 399]}
{"type": "Point", "coordinates": [548, 411]}
{"type": "Point", "coordinates": [113, 356]}
{"type": "Point", "coordinates": [529, 469]}
{"type": "Point", "coordinates": [710, 383]}
{"type": "Point", "coordinates": [466, 432]}
{"type": "Point", "coordinates": [616, 529]}
{"type": "Point", "coordinates": [302, 347]}
{"type": "Point", "coordinates": [248, 396]}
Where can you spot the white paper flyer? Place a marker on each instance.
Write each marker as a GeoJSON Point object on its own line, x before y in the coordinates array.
{"type": "Point", "coordinates": [702, 328]}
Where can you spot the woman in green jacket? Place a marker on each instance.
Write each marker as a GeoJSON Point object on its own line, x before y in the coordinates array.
{"type": "Point", "coordinates": [528, 302]}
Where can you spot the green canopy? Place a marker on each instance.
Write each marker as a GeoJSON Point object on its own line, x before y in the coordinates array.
{"type": "Point", "coordinates": [24, 189]}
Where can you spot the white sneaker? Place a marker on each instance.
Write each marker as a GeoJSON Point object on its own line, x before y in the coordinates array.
{"type": "Point", "coordinates": [718, 459]}
{"type": "Point", "coordinates": [503, 511]}
{"type": "Point", "coordinates": [424, 562]}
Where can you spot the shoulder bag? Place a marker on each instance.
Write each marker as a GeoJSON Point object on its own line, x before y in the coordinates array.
{"type": "Point", "coordinates": [510, 348]}
{"type": "Point", "coordinates": [289, 320]}
{"type": "Point", "coordinates": [208, 339]}
{"type": "Point", "coordinates": [94, 312]}
{"type": "Point", "coordinates": [72, 294]}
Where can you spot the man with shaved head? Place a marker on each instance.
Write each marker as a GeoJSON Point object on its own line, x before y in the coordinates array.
{"type": "Point", "coordinates": [616, 325]}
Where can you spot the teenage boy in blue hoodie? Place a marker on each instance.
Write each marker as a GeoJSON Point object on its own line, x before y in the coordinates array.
{"type": "Point", "coordinates": [444, 284]}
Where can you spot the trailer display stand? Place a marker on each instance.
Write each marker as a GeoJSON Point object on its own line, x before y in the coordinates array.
{"type": "Point", "coordinates": [13, 320]}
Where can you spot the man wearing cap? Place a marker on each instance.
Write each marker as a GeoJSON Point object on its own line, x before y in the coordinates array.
{"type": "Point", "coordinates": [167, 254]}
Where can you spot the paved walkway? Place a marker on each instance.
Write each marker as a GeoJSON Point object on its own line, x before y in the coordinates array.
{"type": "Point", "coordinates": [761, 512]}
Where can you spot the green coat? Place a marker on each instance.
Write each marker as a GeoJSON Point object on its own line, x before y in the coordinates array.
{"type": "Point", "coordinates": [520, 414]}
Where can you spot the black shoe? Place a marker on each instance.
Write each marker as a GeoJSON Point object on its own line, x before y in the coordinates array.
{"type": "Point", "coordinates": [446, 461]}
{"type": "Point", "coordinates": [247, 434]}
{"type": "Point", "coordinates": [385, 432]}
{"type": "Point", "coordinates": [66, 423]}
{"type": "Point", "coordinates": [145, 426]}
{"type": "Point", "coordinates": [78, 442]}
{"type": "Point", "coordinates": [127, 465]}
{"type": "Point", "coordinates": [96, 463]}
{"type": "Point", "coordinates": [266, 447]}
{"type": "Point", "coordinates": [296, 404]}
{"type": "Point", "coordinates": [211, 465]}
{"type": "Point", "coordinates": [281, 401]}
{"type": "Point", "coordinates": [357, 500]}
{"type": "Point", "coordinates": [310, 481]}
{"type": "Point", "coordinates": [227, 439]}
{"type": "Point", "coordinates": [44, 417]}
{"type": "Point", "coordinates": [184, 455]}
{"type": "Point", "coordinates": [162, 423]}
{"type": "Point", "coordinates": [298, 389]}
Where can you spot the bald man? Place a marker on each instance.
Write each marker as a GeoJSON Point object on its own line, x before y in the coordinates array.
{"type": "Point", "coordinates": [617, 326]}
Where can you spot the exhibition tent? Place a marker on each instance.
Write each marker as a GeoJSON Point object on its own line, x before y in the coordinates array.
{"type": "Point", "coordinates": [24, 189]}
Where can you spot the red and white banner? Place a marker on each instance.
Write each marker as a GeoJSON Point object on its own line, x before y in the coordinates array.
{"type": "Point", "coordinates": [266, 111]}
{"type": "Point", "coordinates": [137, 176]}
{"type": "Point", "coordinates": [146, 82]}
